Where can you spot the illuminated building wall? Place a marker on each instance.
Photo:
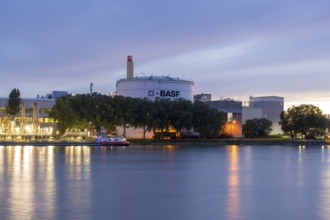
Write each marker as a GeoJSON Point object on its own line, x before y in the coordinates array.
{"type": "Point", "coordinates": [31, 120]}
{"type": "Point", "coordinates": [233, 111]}
{"type": "Point", "coordinates": [269, 107]}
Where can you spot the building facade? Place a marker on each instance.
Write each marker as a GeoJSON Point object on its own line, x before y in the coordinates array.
{"type": "Point", "coordinates": [202, 97]}
{"type": "Point", "coordinates": [233, 111]}
{"type": "Point", "coordinates": [269, 107]}
{"type": "Point", "coordinates": [32, 121]}
{"type": "Point", "coordinates": [155, 87]}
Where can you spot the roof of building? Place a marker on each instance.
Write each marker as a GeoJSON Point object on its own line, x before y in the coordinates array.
{"type": "Point", "coordinates": [156, 78]}
{"type": "Point", "coordinates": [267, 98]}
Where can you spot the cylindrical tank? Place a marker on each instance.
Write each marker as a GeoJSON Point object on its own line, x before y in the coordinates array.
{"type": "Point", "coordinates": [153, 87]}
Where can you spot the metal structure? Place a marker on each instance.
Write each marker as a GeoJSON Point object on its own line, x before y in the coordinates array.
{"type": "Point", "coordinates": [32, 122]}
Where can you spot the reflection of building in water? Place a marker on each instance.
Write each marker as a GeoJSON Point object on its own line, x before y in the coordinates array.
{"type": "Point", "coordinates": [233, 203]}
{"type": "Point", "coordinates": [325, 183]}
{"type": "Point", "coordinates": [31, 180]}
{"type": "Point", "coordinates": [78, 170]}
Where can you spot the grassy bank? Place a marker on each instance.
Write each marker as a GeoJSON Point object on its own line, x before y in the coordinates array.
{"type": "Point", "coordinates": [245, 141]}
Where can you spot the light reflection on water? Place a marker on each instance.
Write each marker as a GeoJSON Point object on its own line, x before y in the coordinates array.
{"type": "Point", "coordinates": [233, 205]}
{"type": "Point", "coordinates": [165, 182]}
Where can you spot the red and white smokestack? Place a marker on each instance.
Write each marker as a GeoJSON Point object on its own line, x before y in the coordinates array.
{"type": "Point", "coordinates": [130, 67]}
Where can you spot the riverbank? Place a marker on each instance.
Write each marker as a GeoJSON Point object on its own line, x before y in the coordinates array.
{"type": "Point", "coordinates": [233, 141]}
{"type": "Point", "coordinates": [199, 142]}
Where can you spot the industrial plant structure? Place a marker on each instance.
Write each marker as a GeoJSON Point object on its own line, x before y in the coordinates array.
{"type": "Point", "coordinates": [269, 107]}
{"type": "Point", "coordinates": [153, 87]}
{"type": "Point", "coordinates": [31, 122]}
{"type": "Point", "coordinates": [33, 119]}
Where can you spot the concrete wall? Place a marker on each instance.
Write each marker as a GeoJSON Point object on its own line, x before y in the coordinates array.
{"type": "Point", "coordinates": [251, 113]}
{"type": "Point", "coordinates": [271, 106]}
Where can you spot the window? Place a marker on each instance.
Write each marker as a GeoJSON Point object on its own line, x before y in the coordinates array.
{"type": "Point", "coordinates": [229, 116]}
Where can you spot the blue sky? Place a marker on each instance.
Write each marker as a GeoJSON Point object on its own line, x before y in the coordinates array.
{"type": "Point", "coordinates": [231, 49]}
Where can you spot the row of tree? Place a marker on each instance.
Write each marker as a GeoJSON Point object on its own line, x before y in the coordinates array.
{"type": "Point", "coordinates": [97, 111]}
{"type": "Point", "coordinates": [303, 120]}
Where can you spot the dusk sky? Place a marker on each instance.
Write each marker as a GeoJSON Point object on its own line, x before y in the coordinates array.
{"type": "Point", "coordinates": [231, 49]}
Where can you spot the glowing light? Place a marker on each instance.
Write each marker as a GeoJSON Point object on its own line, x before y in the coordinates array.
{"type": "Point", "coordinates": [233, 206]}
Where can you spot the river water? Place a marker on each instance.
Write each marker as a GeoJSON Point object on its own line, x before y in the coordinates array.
{"type": "Point", "coordinates": [165, 182]}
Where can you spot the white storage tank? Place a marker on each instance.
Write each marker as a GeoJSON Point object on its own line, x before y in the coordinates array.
{"type": "Point", "coordinates": [153, 87]}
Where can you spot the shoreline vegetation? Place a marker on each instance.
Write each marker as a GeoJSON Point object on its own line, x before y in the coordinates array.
{"type": "Point", "coordinates": [199, 142]}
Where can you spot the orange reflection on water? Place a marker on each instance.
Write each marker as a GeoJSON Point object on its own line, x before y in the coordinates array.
{"type": "Point", "coordinates": [78, 171]}
{"type": "Point", "coordinates": [31, 186]}
{"type": "Point", "coordinates": [169, 147]}
{"type": "Point", "coordinates": [233, 203]}
{"type": "Point", "coordinates": [25, 168]}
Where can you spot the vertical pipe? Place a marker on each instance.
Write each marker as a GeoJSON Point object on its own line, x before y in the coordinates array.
{"type": "Point", "coordinates": [22, 116]}
{"type": "Point", "coordinates": [130, 67]}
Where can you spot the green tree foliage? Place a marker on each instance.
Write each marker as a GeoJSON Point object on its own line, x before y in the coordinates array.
{"type": "Point", "coordinates": [213, 124]}
{"type": "Point", "coordinates": [207, 121]}
{"type": "Point", "coordinates": [257, 127]}
{"type": "Point", "coordinates": [181, 114]}
{"type": "Point", "coordinates": [306, 120]}
{"type": "Point", "coordinates": [95, 111]}
{"type": "Point", "coordinates": [123, 110]}
{"type": "Point", "coordinates": [14, 102]}
{"type": "Point", "coordinates": [63, 114]}
{"type": "Point", "coordinates": [142, 115]}
{"type": "Point", "coordinates": [161, 115]}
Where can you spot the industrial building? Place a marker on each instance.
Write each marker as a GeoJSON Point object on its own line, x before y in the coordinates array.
{"type": "Point", "coordinates": [202, 97]}
{"type": "Point", "coordinates": [31, 122]}
{"type": "Point", "coordinates": [233, 111]}
{"type": "Point", "coordinates": [33, 119]}
{"type": "Point", "coordinates": [153, 87]}
{"type": "Point", "coordinates": [269, 107]}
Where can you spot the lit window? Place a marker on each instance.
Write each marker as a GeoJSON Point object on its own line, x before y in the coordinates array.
{"type": "Point", "coordinates": [229, 116]}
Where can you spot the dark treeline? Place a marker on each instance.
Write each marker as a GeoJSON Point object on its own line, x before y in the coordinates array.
{"type": "Point", "coordinates": [94, 111]}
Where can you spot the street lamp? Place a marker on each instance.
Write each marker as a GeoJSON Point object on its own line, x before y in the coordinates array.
{"type": "Point", "coordinates": [232, 127]}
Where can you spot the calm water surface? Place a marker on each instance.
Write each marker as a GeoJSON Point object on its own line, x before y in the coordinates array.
{"type": "Point", "coordinates": [165, 182]}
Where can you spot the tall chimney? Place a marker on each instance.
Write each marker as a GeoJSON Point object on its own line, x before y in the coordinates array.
{"type": "Point", "coordinates": [130, 67]}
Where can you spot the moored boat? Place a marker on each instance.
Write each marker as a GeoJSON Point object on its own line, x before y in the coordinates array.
{"type": "Point", "coordinates": [112, 141]}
